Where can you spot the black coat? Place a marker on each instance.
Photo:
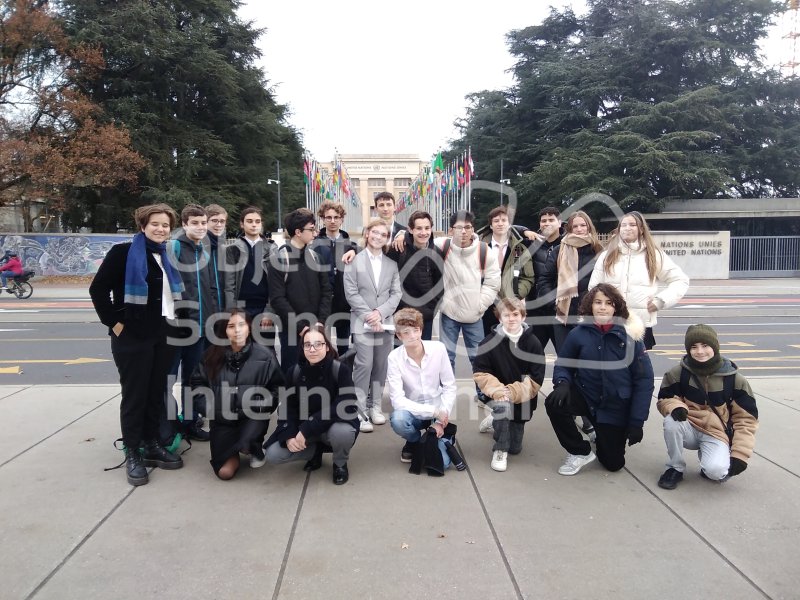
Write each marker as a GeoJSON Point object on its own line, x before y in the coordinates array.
{"type": "Point", "coordinates": [107, 291]}
{"type": "Point", "coordinates": [315, 401]}
{"type": "Point", "coordinates": [420, 276]}
{"type": "Point", "coordinates": [330, 252]}
{"type": "Point", "coordinates": [249, 380]}
{"type": "Point", "coordinates": [545, 277]}
{"type": "Point", "coordinates": [586, 258]}
{"type": "Point", "coordinates": [301, 286]}
{"type": "Point", "coordinates": [510, 362]}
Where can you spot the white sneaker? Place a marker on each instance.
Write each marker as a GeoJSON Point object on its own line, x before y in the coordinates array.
{"type": "Point", "coordinates": [574, 463]}
{"type": "Point", "coordinates": [366, 427]}
{"type": "Point", "coordinates": [258, 461]}
{"type": "Point", "coordinates": [376, 416]}
{"type": "Point", "coordinates": [499, 460]}
{"type": "Point", "coordinates": [486, 425]}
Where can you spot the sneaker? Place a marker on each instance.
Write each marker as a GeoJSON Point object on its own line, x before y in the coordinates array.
{"type": "Point", "coordinates": [499, 460]}
{"type": "Point", "coordinates": [407, 453]}
{"type": "Point", "coordinates": [366, 427]}
{"type": "Point", "coordinates": [486, 425]}
{"type": "Point", "coordinates": [258, 458]}
{"type": "Point", "coordinates": [376, 416]}
{"type": "Point", "coordinates": [574, 463]}
{"type": "Point", "coordinates": [670, 479]}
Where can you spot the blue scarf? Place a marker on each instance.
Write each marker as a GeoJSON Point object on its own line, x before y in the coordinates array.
{"type": "Point", "coordinates": [136, 271]}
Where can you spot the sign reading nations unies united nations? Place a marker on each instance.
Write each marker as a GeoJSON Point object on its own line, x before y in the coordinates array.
{"type": "Point", "coordinates": [701, 254]}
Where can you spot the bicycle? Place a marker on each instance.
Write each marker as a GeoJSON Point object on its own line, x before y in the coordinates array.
{"type": "Point", "coordinates": [20, 286]}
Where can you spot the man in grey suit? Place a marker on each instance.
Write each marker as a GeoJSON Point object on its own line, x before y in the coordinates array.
{"type": "Point", "coordinates": [372, 286]}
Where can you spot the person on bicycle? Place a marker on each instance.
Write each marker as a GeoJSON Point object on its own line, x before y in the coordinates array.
{"type": "Point", "coordinates": [11, 268]}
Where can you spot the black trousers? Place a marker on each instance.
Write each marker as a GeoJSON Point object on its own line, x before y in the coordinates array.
{"type": "Point", "coordinates": [143, 366]}
{"type": "Point", "coordinates": [611, 439]}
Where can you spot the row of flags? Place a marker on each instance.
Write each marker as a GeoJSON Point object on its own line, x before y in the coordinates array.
{"type": "Point", "coordinates": [324, 184]}
{"type": "Point", "coordinates": [440, 189]}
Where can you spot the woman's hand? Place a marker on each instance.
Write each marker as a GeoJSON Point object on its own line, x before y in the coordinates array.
{"type": "Point", "coordinates": [439, 429]}
{"type": "Point", "coordinates": [297, 443]}
{"type": "Point", "coordinates": [117, 329]}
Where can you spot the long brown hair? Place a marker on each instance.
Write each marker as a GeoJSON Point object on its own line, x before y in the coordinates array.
{"type": "Point", "coordinates": [215, 355]}
{"type": "Point", "coordinates": [595, 243]}
{"type": "Point", "coordinates": [652, 252]}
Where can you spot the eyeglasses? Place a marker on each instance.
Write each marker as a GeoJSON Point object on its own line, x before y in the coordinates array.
{"type": "Point", "coordinates": [332, 218]}
{"type": "Point", "coordinates": [309, 228]}
{"type": "Point", "coordinates": [463, 227]}
{"type": "Point", "coordinates": [218, 221]}
{"type": "Point", "coordinates": [314, 345]}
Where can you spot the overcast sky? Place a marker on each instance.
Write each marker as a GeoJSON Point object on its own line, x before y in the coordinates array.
{"type": "Point", "coordinates": [369, 77]}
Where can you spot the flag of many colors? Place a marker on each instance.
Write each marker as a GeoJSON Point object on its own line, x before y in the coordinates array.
{"type": "Point", "coordinates": [440, 189]}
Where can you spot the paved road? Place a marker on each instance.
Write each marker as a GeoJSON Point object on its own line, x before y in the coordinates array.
{"type": "Point", "coordinates": [56, 338]}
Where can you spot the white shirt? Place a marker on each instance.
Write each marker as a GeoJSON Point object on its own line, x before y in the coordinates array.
{"type": "Point", "coordinates": [376, 262]}
{"type": "Point", "coordinates": [167, 303]}
{"type": "Point", "coordinates": [496, 246]}
{"type": "Point", "coordinates": [421, 389]}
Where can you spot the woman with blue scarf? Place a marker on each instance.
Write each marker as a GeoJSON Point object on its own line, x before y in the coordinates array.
{"type": "Point", "coordinates": [134, 293]}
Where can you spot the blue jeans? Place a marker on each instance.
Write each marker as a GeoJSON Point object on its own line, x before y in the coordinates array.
{"type": "Point", "coordinates": [408, 427]}
{"type": "Point", "coordinates": [473, 334]}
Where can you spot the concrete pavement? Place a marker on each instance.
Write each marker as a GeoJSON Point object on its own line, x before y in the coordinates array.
{"type": "Point", "coordinates": [71, 530]}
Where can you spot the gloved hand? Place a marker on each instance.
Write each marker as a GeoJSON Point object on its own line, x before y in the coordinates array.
{"type": "Point", "coordinates": [559, 397]}
{"type": "Point", "coordinates": [737, 466]}
{"type": "Point", "coordinates": [635, 435]}
{"type": "Point", "coordinates": [680, 413]}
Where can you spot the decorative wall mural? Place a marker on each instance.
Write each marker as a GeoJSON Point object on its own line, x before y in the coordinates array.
{"type": "Point", "coordinates": [61, 254]}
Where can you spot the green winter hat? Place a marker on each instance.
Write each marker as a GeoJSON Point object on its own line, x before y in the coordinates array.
{"type": "Point", "coordinates": [702, 334]}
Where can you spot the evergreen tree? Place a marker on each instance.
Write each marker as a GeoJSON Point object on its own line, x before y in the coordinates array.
{"type": "Point", "coordinates": [181, 76]}
{"type": "Point", "coordinates": [644, 100]}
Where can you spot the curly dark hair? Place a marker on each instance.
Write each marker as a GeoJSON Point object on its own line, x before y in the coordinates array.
{"type": "Point", "coordinates": [620, 307]}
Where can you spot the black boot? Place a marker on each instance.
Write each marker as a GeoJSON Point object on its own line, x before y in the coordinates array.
{"type": "Point", "coordinates": [137, 474]}
{"type": "Point", "coordinates": [340, 474]}
{"type": "Point", "coordinates": [155, 455]}
{"type": "Point", "coordinates": [316, 461]}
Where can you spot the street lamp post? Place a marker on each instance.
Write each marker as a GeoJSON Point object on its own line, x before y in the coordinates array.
{"type": "Point", "coordinates": [278, 183]}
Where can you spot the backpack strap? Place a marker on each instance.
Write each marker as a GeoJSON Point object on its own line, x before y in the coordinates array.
{"type": "Point", "coordinates": [335, 366]}
{"type": "Point", "coordinates": [483, 252]}
{"type": "Point", "coordinates": [283, 255]}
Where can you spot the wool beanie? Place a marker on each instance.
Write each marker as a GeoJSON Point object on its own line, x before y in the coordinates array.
{"type": "Point", "coordinates": [703, 334]}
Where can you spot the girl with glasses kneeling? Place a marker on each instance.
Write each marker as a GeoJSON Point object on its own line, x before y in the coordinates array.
{"type": "Point", "coordinates": [320, 412]}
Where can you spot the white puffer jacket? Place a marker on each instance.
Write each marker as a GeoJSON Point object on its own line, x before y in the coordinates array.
{"type": "Point", "coordinates": [465, 299]}
{"type": "Point", "coordinates": [629, 276]}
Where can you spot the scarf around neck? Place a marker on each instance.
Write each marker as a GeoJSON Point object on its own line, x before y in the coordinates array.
{"type": "Point", "coordinates": [136, 288]}
{"type": "Point", "coordinates": [568, 262]}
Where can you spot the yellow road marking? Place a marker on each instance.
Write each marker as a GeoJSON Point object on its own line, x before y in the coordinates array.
{"type": "Point", "coordinates": [9, 370]}
{"type": "Point", "coordinates": [61, 361]}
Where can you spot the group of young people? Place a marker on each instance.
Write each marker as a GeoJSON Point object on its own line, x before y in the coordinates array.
{"type": "Point", "coordinates": [352, 321]}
